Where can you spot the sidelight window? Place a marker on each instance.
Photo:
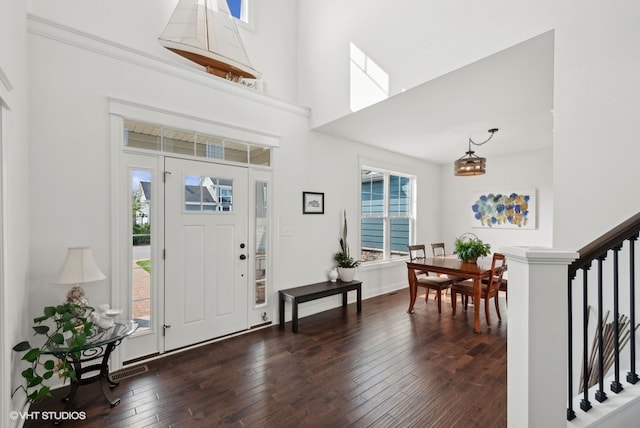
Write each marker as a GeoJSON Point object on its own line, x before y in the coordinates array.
{"type": "Point", "coordinates": [262, 241]}
{"type": "Point", "coordinates": [141, 220]}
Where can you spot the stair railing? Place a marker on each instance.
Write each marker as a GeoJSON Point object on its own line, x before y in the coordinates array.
{"type": "Point", "coordinates": [598, 251]}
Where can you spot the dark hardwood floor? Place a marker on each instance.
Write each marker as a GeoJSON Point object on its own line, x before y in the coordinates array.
{"type": "Point", "coordinates": [380, 368]}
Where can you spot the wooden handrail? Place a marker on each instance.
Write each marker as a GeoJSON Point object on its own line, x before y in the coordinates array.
{"type": "Point", "coordinates": [615, 237]}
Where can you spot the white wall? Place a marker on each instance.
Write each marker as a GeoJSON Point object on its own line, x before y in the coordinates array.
{"type": "Point", "coordinates": [595, 100]}
{"type": "Point", "coordinates": [307, 242]}
{"type": "Point", "coordinates": [15, 212]}
{"type": "Point", "coordinates": [70, 152]}
{"type": "Point", "coordinates": [596, 111]}
{"type": "Point", "coordinates": [70, 147]}
{"type": "Point", "coordinates": [413, 41]}
{"type": "Point", "coordinates": [595, 68]}
{"type": "Point", "coordinates": [519, 172]}
{"type": "Point", "coordinates": [270, 41]}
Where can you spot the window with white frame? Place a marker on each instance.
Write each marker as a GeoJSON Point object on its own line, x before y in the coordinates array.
{"type": "Point", "coordinates": [239, 9]}
{"type": "Point", "coordinates": [369, 83]}
{"type": "Point", "coordinates": [387, 214]}
{"type": "Point", "coordinates": [150, 137]}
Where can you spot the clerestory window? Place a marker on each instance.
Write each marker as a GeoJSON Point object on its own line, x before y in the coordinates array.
{"type": "Point", "coordinates": [239, 9]}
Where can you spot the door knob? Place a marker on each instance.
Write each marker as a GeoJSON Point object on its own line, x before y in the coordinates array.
{"type": "Point", "coordinates": [242, 257]}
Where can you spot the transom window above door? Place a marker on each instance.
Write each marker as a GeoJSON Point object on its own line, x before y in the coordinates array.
{"type": "Point", "coordinates": [157, 138]}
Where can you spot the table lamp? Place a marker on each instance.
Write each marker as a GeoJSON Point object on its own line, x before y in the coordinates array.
{"type": "Point", "coordinates": [79, 268]}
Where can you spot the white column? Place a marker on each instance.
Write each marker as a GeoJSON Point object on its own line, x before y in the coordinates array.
{"type": "Point", "coordinates": [537, 337]}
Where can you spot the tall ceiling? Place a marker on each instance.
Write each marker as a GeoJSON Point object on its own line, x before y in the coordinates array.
{"type": "Point", "coordinates": [511, 90]}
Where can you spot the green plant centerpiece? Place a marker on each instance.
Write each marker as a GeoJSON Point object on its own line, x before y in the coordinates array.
{"type": "Point", "coordinates": [66, 326]}
{"type": "Point", "coordinates": [469, 249]}
{"type": "Point", "coordinates": [346, 263]}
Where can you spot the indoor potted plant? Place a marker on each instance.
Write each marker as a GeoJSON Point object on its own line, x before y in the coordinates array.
{"type": "Point", "coordinates": [68, 323]}
{"type": "Point", "coordinates": [469, 249]}
{"type": "Point", "coordinates": [346, 264]}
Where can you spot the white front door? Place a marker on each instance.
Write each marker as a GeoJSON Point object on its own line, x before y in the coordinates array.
{"type": "Point", "coordinates": [206, 288]}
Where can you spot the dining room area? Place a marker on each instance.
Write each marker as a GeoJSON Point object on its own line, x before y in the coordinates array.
{"type": "Point", "coordinates": [506, 290]}
{"type": "Point", "coordinates": [491, 305]}
{"type": "Point", "coordinates": [471, 272]}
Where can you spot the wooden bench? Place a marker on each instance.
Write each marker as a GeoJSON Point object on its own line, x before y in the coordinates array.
{"type": "Point", "coordinates": [319, 290]}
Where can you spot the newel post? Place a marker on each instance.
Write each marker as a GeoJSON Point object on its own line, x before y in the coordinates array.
{"type": "Point", "coordinates": [537, 337]}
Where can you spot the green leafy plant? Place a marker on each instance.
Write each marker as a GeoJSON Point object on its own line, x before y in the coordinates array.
{"type": "Point", "coordinates": [343, 258]}
{"type": "Point", "coordinates": [70, 319]}
{"type": "Point", "coordinates": [469, 249]}
{"type": "Point", "coordinates": [141, 234]}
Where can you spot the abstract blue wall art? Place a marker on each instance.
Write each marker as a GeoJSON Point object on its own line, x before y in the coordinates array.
{"type": "Point", "coordinates": [514, 210]}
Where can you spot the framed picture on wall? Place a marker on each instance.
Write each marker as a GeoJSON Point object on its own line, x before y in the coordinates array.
{"type": "Point", "coordinates": [504, 210]}
{"type": "Point", "coordinates": [312, 203]}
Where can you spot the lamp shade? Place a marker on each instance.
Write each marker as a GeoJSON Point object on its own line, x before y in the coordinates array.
{"type": "Point", "coordinates": [470, 165]}
{"type": "Point", "coordinates": [80, 267]}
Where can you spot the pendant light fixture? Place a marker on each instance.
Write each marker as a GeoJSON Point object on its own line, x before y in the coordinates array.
{"type": "Point", "coordinates": [471, 164]}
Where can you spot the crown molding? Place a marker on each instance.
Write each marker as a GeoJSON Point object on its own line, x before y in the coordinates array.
{"type": "Point", "coordinates": [43, 27]}
{"type": "Point", "coordinates": [133, 110]}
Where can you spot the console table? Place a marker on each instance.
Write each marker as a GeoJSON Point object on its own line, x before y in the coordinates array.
{"type": "Point", "coordinates": [319, 290]}
{"type": "Point", "coordinates": [98, 347]}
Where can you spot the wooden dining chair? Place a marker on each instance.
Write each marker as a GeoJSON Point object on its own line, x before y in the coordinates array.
{"type": "Point", "coordinates": [424, 279]}
{"type": "Point", "coordinates": [489, 289]}
{"type": "Point", "coordinates": [504, 283]}
{"type": "Point", "coordinates": [438, 250]}
{"type": "Point", "coordinates": [417, 252]}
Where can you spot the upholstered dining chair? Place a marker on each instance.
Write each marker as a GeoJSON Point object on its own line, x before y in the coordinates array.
{"type": "Point", "coordinates": [489, 289]}
{"type": "Point", "coordinates": [424, 279]}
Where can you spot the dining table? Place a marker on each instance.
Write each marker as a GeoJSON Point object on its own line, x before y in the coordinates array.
{"type": "Point", "coordinates": [451, 266]}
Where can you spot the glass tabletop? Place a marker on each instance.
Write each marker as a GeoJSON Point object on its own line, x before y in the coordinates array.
{"type": "Point", "coordinates": [99, 337]}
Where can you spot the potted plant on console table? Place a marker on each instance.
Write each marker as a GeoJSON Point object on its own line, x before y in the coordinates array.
{"type": "Point", "coordinates": [346, 264]}
{"type": "Point", "coordinates": [469, 249]}
{"type": "Point", "coordinates": [67, 323]}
